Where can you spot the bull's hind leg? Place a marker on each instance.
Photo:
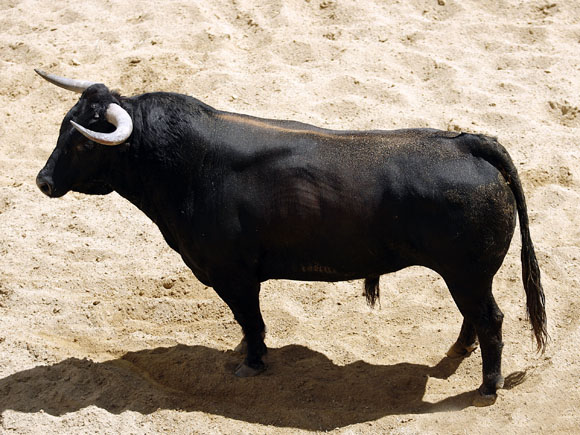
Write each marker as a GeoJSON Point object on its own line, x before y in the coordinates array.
{"type": "Point", "coordinates": [482, 315]}
{"type": "Point", "coordinates": [244, 301]}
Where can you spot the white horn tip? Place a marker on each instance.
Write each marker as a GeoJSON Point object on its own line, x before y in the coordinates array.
{"type": "Point", "coordinates": [68, 84]}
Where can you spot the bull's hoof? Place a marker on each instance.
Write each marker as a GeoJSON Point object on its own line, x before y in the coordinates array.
{"type": "Point", "coordinates": [485, 396]}
{"type": "Point", "coordinates": [245, 371]}
{"type": "Point", "coordinates": [482, 400]}
{"type": "Point", "coordinates": [460, 350]}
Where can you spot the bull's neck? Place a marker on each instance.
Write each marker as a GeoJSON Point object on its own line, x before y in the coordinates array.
{"type": "Point", "coordinates": [161, 166]}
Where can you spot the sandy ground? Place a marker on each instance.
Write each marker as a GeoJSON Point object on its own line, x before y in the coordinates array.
{"type": "Point", "coordinates": [103, 329]}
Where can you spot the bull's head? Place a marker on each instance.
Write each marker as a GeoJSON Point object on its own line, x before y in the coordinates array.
{"type": "Point", "coordinates": [82, 158]}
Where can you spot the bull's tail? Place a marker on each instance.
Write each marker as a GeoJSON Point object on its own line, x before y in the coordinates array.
{"type": "Point", "coordinates": [492, 151]}
{"type": "Point", "coordinates": [372, 290]}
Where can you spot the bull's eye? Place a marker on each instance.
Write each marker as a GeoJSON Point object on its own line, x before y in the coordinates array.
{"type": "Point", "coordinates": [85, 146]}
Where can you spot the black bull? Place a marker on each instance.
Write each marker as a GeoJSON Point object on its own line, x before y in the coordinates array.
{"type": "Point", "coordinates": [245, 199]}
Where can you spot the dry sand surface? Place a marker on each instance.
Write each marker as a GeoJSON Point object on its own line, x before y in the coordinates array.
{"type": "Point", "coordinates": [104, 329]}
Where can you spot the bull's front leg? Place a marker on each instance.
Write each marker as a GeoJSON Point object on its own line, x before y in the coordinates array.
{"type": "Point", "coordinates": [243, 298]}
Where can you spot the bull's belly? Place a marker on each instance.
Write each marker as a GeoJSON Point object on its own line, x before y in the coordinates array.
{"type": "Point", "coordinates": [324, 268]}
{"type": "Point", "coordinates": [311, 272]}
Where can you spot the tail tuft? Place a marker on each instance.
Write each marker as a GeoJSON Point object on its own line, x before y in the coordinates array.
{"type": "Point", "coordinates": [372, 290]}
{"type": "Point", "coordinates": [536, 301]}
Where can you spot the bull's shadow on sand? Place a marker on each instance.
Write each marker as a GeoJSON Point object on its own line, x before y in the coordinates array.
{"type": "Point", "coordinates": [302, 388]}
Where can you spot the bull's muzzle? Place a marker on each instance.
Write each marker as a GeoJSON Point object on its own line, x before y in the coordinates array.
{"type": "Point", "coordinates": [45, 184]}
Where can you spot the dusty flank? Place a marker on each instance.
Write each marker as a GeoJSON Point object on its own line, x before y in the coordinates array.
{"type": "Point", "coordinates": [103, 329]}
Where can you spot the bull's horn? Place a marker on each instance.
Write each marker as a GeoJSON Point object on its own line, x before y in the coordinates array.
{"type": "Point", "coordinates": [117, 116]}
{"type": "Point", "coordinates": [68, 84]}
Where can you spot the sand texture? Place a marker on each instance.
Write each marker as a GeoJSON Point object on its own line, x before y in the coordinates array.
{"type": "Point", "coordinates": [103, 329]}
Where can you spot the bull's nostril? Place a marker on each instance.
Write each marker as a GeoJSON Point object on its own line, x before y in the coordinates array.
{"type": "Point", "coordinates": [44, 186]}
